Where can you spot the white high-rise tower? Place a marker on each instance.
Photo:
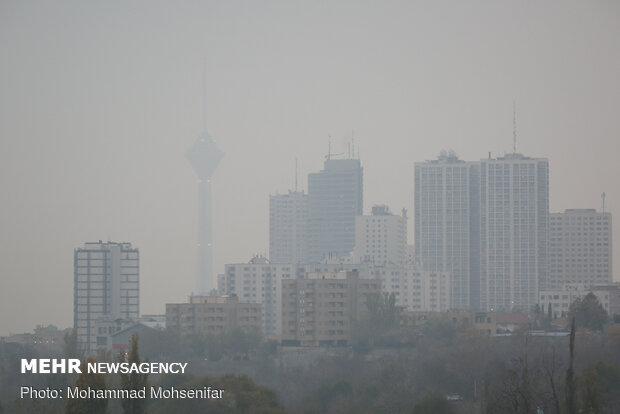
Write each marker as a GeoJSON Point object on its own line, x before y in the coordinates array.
{"type": "Point", "coordinates": [444, 229]}
{"type": "Point", "coordinates": [514, 231]}
{"type": "Point", "coordinates": [106, 287]}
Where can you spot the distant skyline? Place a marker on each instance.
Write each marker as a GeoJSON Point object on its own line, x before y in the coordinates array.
{"type": "Point", "coordinates": [99, 101]}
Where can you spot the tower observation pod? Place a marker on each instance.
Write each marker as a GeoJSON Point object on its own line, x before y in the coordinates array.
{"type": "Point", "coordinates": [204, 156]}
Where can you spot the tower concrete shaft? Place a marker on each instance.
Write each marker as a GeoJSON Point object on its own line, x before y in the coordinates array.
{"type": "Point", "coordinates": [205, 156]}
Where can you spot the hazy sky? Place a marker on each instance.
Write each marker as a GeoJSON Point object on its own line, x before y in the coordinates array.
{"type": "Point", "coordinates": [99, 102]}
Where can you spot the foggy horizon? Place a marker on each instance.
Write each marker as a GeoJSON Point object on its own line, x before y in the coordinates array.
{"type": "Point", "coordinates": [101, 101]}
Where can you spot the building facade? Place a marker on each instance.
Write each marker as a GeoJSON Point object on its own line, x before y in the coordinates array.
{"type": "Point", "coordinates": [561, 299]}
{"type": "Point", "coordinates": [381, 238]}
{"type": "Point", "coordinates": [580, 248]}
{"type": "Point", "coordinates": [321, 309]}
{"type": "Point", "coordinates": [514, 231]}
{"type": "Point", "coordinates": [477, 323]}
{"type": "Point", "coordinates": [444, 193]}
{"type": "Point", "coordinates": [414, 288]}
{"type": "Point", "coordinates": [335, 198]}
{"type": "Point", "coordinates": [106, 287]}
{"type": "Point", "coordinates": [213, 315]}
{"type": "Point", "coordinates": [288, 219]}
{"type": "Point", "coordinates": [259, 281]}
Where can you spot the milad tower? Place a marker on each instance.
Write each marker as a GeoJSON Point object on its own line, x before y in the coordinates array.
{"type": "Point", "coordinates": [204, 156]}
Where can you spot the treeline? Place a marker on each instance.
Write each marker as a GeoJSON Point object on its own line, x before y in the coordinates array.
{"type": "Point", "coordinates": [237, 344]}
{"type": "Point", "coordinates": [458, 373]}
{"type": "Point", "coordinates": [242, 394]}
{"type": "Point", "coordinates": [435, 368]}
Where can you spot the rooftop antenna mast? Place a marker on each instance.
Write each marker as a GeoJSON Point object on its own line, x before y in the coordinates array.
{"type": "Point", "coordinates": [603, 195]}
{"type": "Point", "coordinates": [329, 147]}
{"type": "Point", "coordinates": [204, 99]}
{"type": "Point", "coordinates": [514, 127]}
{"type": "Point", "coordinates": [295, 174]}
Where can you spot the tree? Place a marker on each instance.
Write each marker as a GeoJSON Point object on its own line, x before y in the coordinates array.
{"type": "Point", "coordinates": [71, 348]}
{"type": "Point", "coordinates": [608, 383]}
{"type": "Point", "coordinates": [383, 315]}
{"type": "Point", "coordinates": [241, 395]}
{"type": "Point", "coordinates": [88, 405]}
{"type": "Point", "coordinates": [549, 316]}
{"type": "Point", "coordinates": [133, 380]}
{"type": "Point", "coordinates": [588, 312]}
{"type": "Point", "coordinates": [571, 393]}
{"type": "Point", "coordinates": [433, 403]}
{"type": "Point", "coordinates": [549, 362]}
{"type": "Point", "coordinates": [440, 327]}
{"type": "Point", "coordinates": [382, 309]}
{"type": "Point", "coordinates": [590, 393]}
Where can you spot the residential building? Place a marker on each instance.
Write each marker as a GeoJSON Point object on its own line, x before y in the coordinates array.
{"type": "Point", "coordinates": [414, 289]}
{"type": "Point", "coordinates": [580, 248]}
{"type": "Point", "coordinates": [213, 315]}
{"type": "Point", "coordinates": [381, 238]}
{"type": "Point", "coordinates": [507, 323]}
{"type": "Point", "coordinates": [561, 299]}
{"type": "Point", "coordinates": [121, 340]}
{"type": "Point", "coordinates": [335, 198]}
{"type": "Point", "coordinates": [477, 323]}
{"type": "Point", "coordinates": [321, 309]}
{"type": "Point", "coordinates": [259, 281]}
{"type": "Point", "coordinates": [445, 192]}
{"type": "Point", "coordinates": [514, 232]}
{"type": "Point", "coordinates": [614, 296]}
{"type": "Point", "coordinates": [106, 288]}
{"type": "Point", "coordinates": [288, 218]}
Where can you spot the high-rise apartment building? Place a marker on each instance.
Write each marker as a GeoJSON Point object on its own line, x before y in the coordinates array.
{"type": "Point", "coordinates": [514, 231]}
{"type": "Point", "coordinates": [443, 227]}
{"type": "Point", "coordinates": [335, 197]}
{"type": "Point", "coordinates": [580, 250]}
{"type": "Point", "coordinates": [381, 238]}
{"type": "Point", "coordinates": [288, 218]}
{"type": "Point", "coordinates": [106, 287]}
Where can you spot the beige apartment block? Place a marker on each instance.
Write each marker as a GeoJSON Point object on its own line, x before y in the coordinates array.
{"type": "Point", "coordinates": [580, 249]}
{"type": "Point", "coordinates": [381, 238]}
{"type": "Point", "coordinates": [321, 309]}
{"type": "Point", "coordinates": [213, 314]}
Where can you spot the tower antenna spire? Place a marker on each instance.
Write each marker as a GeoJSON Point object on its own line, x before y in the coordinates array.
{"type": "Point", "coordinates": [514, 127]}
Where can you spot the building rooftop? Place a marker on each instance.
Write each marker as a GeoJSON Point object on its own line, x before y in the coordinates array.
{"type": "Point", "coordinates": [381, 210]}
